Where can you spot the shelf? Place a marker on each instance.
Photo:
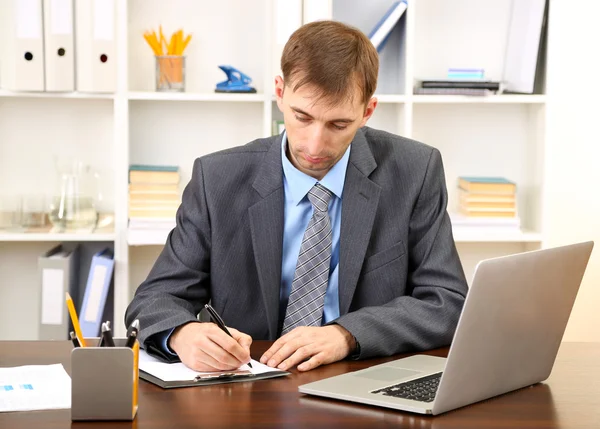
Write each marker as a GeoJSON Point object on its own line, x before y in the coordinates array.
{"type": "Point", "coordinates": [187, 96]}
{"type": "Point", "coordinates": [390, 98]}
{"type": "Point", "coordinates": [47, 236]}
{"type": "Point", "coordinates": [466, 99]}
{"type": "Point", "coordinates": [493, 235]}
{"type": "Point", "coordinates": [147, 237]}
{"type": "Point", "coordinates": [77, 95]}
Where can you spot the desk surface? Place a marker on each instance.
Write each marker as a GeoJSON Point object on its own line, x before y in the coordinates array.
{"type": "Point", "coordinates": [570, 398]}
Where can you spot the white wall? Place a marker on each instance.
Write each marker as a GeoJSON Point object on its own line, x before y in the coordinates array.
{"type": "Point", "coordinates": [573, 163]}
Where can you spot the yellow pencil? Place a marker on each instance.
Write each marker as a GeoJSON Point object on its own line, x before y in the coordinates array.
{"type": "Point", "coordinates": [75, 320]}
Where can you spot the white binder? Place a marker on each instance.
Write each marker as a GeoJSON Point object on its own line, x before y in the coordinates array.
{"type": "Point", "coordinates": [95, 45]}
{"type": "Point", "coordinates": [288, 18]}
{"type": "Point", "coordinates": [58, 273]}
{"type": "Point", "coordinates": [22, 45]}
{"type": "Point", "coordinates": [317, 10]}
{"type": "Point", "coordinates": [59, 45]}
{"type": "Point", "coordinates": [525, 33]}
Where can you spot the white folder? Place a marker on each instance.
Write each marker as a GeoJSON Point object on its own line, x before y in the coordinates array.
{"type": "Point", "coordinates": [317, 10]}
{"type": "Point", "coordinates": [59, 45]}
{"type": "Point", "coordinates": [288, 18]}
{"type": "Point", "coordinates": [95, 45]}
{"type": "Point", "coordinates": [22, 45]}
{"type": "Point", "coordinates": [58, 273]}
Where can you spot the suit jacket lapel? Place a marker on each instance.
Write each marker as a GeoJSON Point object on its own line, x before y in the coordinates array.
{"type": "Point", "coordinates": [359, 205]}
{"type": "Point", "coordinates": [266, 226]}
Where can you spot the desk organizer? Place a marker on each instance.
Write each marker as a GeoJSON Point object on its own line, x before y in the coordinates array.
{"type": "Point", "coordinates": [104, 381]}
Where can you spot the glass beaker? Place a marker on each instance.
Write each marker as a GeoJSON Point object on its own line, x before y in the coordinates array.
{"type": "Point", "coordinates": [74, 206]}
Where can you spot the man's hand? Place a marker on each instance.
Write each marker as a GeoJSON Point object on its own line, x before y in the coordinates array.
{"type": "Point", "coordinates": [320, 345]}
{"type": "Point", "coordinates": [205, 347]}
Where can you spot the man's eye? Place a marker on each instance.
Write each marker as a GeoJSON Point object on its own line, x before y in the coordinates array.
{"type": "Point", "coordinates": [302, 119]}
{"type": "Point", "coordinates": [340, 127]}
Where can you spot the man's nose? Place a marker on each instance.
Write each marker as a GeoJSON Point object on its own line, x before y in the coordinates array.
{"type": "Point", "coordinates": [316, 143]}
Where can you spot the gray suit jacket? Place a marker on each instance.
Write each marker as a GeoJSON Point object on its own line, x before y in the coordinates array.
{"type": "Point", "coordinates": [401, 284]}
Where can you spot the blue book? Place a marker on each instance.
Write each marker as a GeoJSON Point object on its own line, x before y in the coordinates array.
{"type": "Point", "coordinates": [96, 292]}
{"type": "Point", "coordinates": [486, 179]}
{"type": "Point", "coordinates": [148, 167]}
{"type": "Point", "coordinates": [380, 34]}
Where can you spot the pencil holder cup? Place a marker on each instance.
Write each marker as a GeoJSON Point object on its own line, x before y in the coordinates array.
{"type": "Point", "coordinates": [104, 381]}
{"type": "Point", "coordinates": [170, 73]}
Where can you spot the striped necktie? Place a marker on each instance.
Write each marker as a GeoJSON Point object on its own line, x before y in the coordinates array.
{"type": "Point", "coordinates": [305, 305]}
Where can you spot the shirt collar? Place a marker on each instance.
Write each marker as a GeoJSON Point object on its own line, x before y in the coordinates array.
{"type": "Point", "coordinates": [300, 183]}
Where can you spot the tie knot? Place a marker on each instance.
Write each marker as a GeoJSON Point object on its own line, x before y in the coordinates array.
{"type": "Point", "coordinates": [319, 197]}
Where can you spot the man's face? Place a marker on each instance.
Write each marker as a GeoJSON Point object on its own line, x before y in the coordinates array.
{"type": "Point", "coordinates": [319, 134]}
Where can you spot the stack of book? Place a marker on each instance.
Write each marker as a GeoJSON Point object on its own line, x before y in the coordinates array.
{"type": "Point", "coordinates": [458, 87]}
{"type": "Point", "coordinates": [154, 198]}
{"type": "Point", "coordinates": [487, 202]}
{"type": "Point", "coordinates": [460, 82]}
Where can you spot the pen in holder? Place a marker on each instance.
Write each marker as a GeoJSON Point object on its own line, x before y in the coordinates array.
{"type": "Point", "coordinates": [170, 73]}
{"type": "Point", "coordinates": [104, 381]}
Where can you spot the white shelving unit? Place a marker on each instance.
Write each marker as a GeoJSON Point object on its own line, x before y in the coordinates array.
{"type": "Point", "coordinates": [496, 135]}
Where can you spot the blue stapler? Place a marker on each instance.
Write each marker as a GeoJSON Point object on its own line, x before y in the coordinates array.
{"type": "Point", "coordinates": [236, 81]}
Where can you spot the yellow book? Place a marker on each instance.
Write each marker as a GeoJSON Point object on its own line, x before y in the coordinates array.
{"type": "Point", "coordinates": [154, 177]}
{"type": "Point", "coordinates": [144, 188]}
{"type": "Point", "coordinates": [153, 212]}
{"type": "Point", "coordinates": [488, 205]}
{"type": "Point", "coordinates": [492, 185]}
{"type": "Point", "coordinates": [493, 212]}
{"type": "Point", "coordinates": [478, 197]}
{"type": "Point", "coordinates": [155, 196]}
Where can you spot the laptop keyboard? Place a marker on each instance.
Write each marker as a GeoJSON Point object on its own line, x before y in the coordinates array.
{"type": "Point", "coordinates": [421, 389]}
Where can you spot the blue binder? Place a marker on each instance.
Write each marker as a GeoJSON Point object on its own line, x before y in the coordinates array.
{"type": "Point", "coordinates": [381, 32]}
{"type": "Point", "coordinates": [96, 292]}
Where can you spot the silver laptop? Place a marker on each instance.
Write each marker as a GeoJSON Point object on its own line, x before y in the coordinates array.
{"type": "Point", "coordinates": [507, 337]}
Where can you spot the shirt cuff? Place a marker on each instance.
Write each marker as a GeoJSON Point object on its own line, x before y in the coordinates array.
{"type": "Point", "coordinates": [162, 339]}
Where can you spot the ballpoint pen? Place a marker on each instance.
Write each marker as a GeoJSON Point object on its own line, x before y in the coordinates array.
{"type": "Point", "coordinates": [74, 339]}
{"type": "Point", "coordinates": [219, 322]}
{"type": "Point", "coordinates": [132, 333]}
{"type": "Point", "coordinates": [107, 339]}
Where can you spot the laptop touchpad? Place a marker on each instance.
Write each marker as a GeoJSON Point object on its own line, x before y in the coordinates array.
{"type": "Point", "coordinates": [386, 374]}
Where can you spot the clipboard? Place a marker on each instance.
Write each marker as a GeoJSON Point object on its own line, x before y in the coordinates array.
{"type": "Point", "coordinates": [152, 373]}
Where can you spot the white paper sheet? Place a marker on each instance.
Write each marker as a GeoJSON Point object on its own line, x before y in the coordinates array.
{"type": "Point", "coordinates": [34, 387]}
{"type": "Point", "coordinates": [180, 372]}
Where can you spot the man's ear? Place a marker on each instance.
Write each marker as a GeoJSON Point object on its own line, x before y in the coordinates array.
{"type": "Point", "coordinates": [279, 89]}
{"type": "Point", "coordinates": [369, 110]}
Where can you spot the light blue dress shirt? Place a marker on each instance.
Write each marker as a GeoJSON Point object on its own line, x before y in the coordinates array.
{"type": "Point", "coordinates": [297, 213]}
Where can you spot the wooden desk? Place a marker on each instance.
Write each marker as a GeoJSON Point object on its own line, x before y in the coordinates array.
{"type": "Point", "coordinates": [570, 398]}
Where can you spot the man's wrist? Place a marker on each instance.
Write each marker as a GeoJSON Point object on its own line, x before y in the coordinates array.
{"type": "Point", "coordinates": [355, 353]}
{"type": "Point", "coordinates": [353, 345]}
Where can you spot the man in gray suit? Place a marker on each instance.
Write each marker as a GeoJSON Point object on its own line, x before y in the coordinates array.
{"type": "Point", "coordinates": [332, 239]}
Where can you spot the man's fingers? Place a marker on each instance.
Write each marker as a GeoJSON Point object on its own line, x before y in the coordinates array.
{"type": "Point", "coordinates": [220, 353]}
{"type": "Point", "coordinates": [229, 345]}
{"type": "Point", "coordinates": [244, 340]}
{"type": "Point", "coordinates": [286, 350]}
{"type": "Point", "coordinates": [205, 362]}
{"type": "Point", "coordinates": [315, 361]}
{"type": "Point", "coordinates": [277, 345]}
{"type": "Point", "coordinates": [299, 355]}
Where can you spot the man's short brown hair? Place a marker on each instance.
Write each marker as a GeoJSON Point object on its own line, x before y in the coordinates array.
{"type": "Point", "coordinates": [333, 57]}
